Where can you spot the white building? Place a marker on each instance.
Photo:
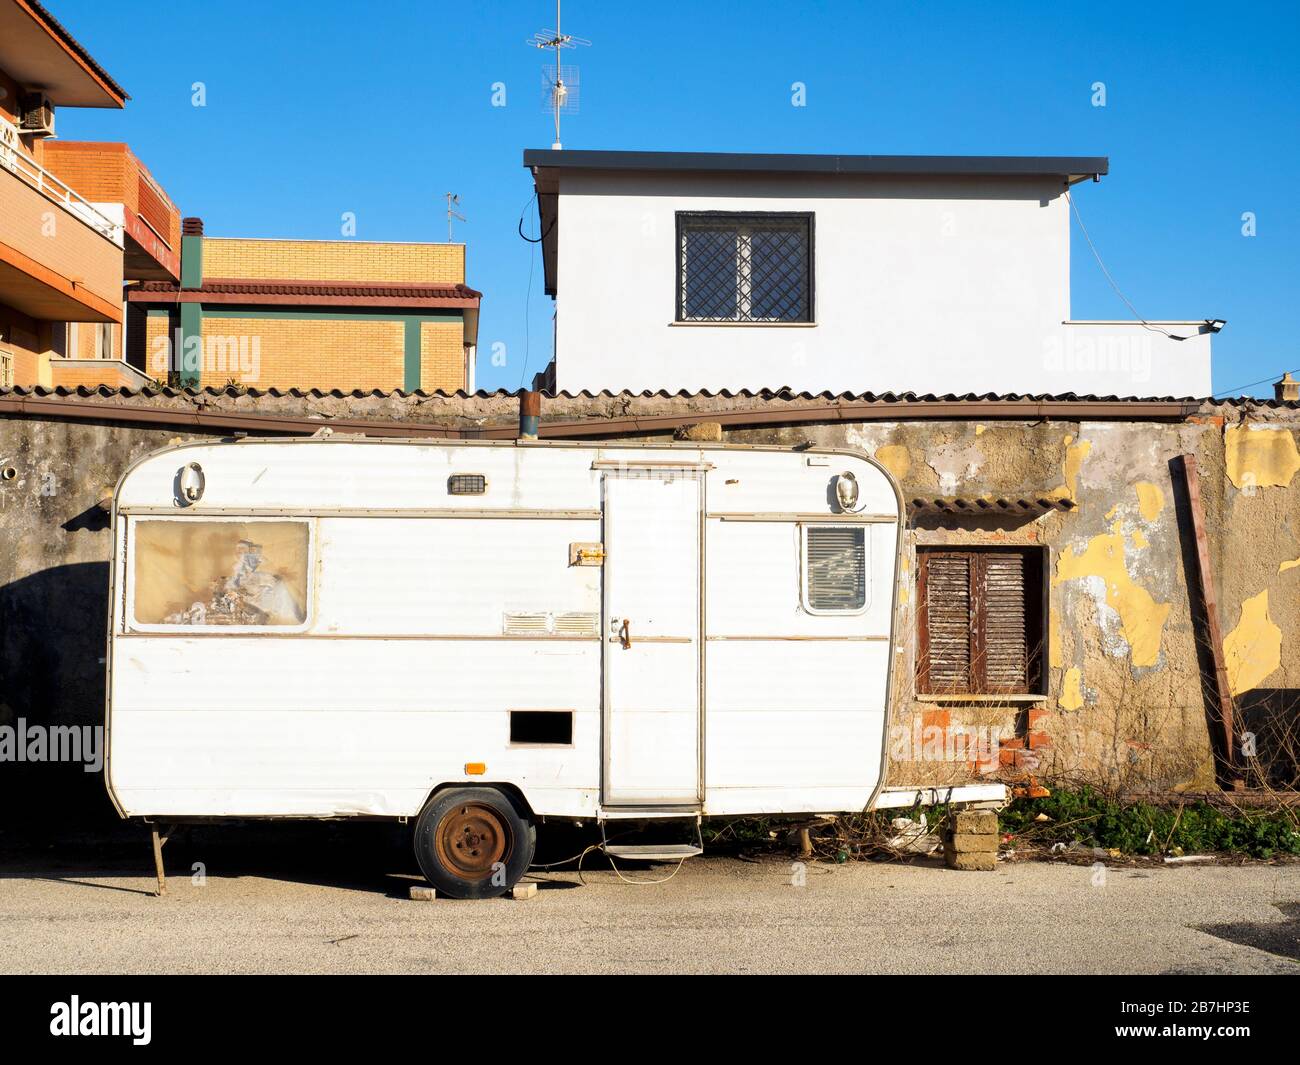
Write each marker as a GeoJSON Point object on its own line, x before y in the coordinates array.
{"type": "Point", "coordinates": [929, 274]}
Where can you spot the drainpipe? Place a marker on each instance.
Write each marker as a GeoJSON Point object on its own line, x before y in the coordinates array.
{"type": "Point", "coordinates": [530, 413]}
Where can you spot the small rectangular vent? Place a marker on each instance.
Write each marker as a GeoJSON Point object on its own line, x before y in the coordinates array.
{"type": "Point", "coordinates": [466, 484]}
{"type": "Point", "coordinates": [541, 727]}
{"type": "Point", "coordinates": [577, 623]}
{"type": "Point", "coordinates": [527, 624]}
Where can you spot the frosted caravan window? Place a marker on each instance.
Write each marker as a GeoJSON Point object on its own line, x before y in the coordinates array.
{"type": "Point", "coordinates": [835, 568]}
{"type": "Point", "coordinates": [215, 574]}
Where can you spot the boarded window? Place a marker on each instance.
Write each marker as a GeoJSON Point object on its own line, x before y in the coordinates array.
{"type": "Point", "coordinates": [220, 573]}
{"type": "Point", "coordinates": [835, 568]}
{"type": "Point", "coordinates": [980, 621]}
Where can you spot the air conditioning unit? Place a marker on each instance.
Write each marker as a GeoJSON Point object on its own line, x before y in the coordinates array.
{"type": "Point", "coordinates": [38, 114]}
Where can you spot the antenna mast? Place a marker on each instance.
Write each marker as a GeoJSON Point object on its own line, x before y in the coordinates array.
{"type": "Point", "coordinates": [560, 96]}
{"type": "Point", "coordinates": [453, 201]}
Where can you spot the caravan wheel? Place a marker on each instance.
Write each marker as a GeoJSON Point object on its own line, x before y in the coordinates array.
{"type": "Point", "coordinates": [472, 843]}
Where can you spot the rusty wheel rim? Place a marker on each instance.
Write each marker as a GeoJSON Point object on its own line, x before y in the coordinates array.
{"type": "Point", "coordinates": [471, 839]}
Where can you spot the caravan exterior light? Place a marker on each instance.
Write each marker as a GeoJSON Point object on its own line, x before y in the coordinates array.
{"type": "Point", "coordinates": [846, 491]}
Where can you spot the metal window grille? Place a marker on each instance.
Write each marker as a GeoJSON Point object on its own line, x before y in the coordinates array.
{"type": "Point", "coordinates": [744, 267]}
{"type": "Point", "coordinates": [836, 567]}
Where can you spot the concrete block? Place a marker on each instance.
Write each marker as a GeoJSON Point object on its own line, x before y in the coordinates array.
{"type": "Point", "coordinates": [982, 822]}
{"type": "Point", "coordinates": [523, 891]}
{"type": "Point", "coordinates": [964, 842]}
{"type": "Point", "coordinates": [422, 893]}
{"type": "Point", "coordinates": [971, 861]}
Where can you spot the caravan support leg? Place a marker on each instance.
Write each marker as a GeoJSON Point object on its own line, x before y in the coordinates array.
{"type": "Point", "coordinates": [158, 840]}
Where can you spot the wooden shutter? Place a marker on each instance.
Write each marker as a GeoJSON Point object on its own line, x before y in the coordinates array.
{"type": "Point", "coordinates": [979, 622]}
{"type": "Point", "coordinates": [1001, 616]}
{"type": "Point", "coordinates": [946, 622]}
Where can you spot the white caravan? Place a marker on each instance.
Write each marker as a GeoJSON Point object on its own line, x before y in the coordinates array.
{"type": "Point", "coordinates": [480, 636]}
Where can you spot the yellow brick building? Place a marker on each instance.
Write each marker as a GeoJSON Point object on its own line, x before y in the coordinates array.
{"type": "Point", "coordinates": [326, 314]}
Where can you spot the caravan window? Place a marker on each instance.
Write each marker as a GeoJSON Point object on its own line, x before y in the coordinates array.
{"type": "Point", "coordinates": [835, 569]}
{"type": "Point", "coordinates": [200, 573]}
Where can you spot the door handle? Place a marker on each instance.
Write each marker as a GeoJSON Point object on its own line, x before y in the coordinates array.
{"type": "Point", "coordinates": [625, 634]}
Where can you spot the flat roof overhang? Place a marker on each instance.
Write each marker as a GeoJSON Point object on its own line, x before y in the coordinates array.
{"type": "Point", "coordinates": [1071, 167]}
{"type": "Point", "coordinates": [37, 52]}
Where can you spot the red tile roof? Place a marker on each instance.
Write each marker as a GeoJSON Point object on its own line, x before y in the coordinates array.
{"type": "Point", "coordinates": [332, 291]}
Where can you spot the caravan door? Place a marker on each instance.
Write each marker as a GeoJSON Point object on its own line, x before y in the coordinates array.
{"type": "Point", "coordinates": [653, 517]}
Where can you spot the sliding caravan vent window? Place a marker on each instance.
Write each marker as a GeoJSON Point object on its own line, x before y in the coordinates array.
{"type": "Point", "coordinates": [199, 573]}
{"type": "Point", "coordinates": [835, 568]}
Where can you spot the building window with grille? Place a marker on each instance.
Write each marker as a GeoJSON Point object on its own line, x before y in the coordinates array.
{"type": "Point", "coordinates": [754, 268]}
{"type": "Point", "coordinates": [980, 621]}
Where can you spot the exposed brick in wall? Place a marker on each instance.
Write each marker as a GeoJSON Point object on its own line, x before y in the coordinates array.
{"type": "Point", "coordinates": [292, 352]}
{"type": "Point", "coordinates": [96, 171]}
{"type": "Point", "coordinates": [442, 356]}
{"type": "Point", "coordinates": [321, 260]}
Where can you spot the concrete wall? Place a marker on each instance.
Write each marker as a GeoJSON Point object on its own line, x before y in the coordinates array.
{"type": "Point", "coordinates": [1124, 703]}
{"type": "Point", "coordinates": [933, 285]}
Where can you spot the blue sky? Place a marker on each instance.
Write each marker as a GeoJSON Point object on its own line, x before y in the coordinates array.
{"type": "Point", "coordinates": [318, 108]}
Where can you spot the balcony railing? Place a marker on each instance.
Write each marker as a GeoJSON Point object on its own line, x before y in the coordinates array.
{"type": "Point", "coordinates": [35, 175]}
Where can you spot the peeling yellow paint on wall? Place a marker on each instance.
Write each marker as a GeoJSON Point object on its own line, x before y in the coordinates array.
{"type": "Point", "coordinates": [1142, 619]}
{"type": "Point", "coordinates": [1151, 501]}
{"type": "Point", "coordinates": [1140, 539]}
{"type": "Point", "coordinates": [979, 430]}
{"type": "Point", "coordinates": [1288, 565]}
{"type": "Point", "coordinates": [1260, 456]}
{"type": "Point", "coordinates": [1071, 689]}
{"type": "Point", "coordinates": [1074, 456]}
{"type": "Point", "coordinates": [1253, 649]}
{"type": "Point", "coordinates": [896, 459]}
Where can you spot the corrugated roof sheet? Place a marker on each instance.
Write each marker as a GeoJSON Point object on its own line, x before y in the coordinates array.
{"type": "Point", "coordinates": [369, 289]}
{"type": "Point", "coordinates": [785, 395]}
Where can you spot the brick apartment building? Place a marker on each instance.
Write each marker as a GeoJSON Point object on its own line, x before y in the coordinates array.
{"type": "Point", "coordinates": [326, 314]}
{"type": "Point", "coordinates": [77, 220]}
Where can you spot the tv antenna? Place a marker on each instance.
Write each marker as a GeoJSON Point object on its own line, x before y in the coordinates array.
{"type": "Point", "coordinates": [453, 201]}
{"type": "Point", "coordinates": [560, 83]}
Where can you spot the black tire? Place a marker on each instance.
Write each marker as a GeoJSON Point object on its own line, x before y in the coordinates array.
{"type": "Point", "coordinates": [472, 843]}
